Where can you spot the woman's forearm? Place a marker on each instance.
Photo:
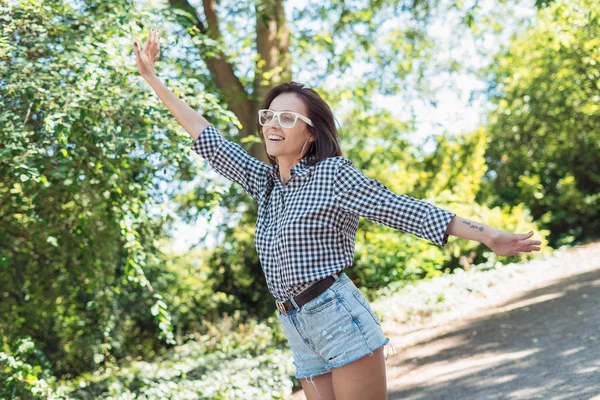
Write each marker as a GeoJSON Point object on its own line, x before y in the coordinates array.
{"type": "Point", "coordinates": [470, 230]}
{"type": "Point", "coordinates": [192, 122]}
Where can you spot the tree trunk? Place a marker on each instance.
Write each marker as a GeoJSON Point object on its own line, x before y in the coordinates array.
{"type": "Point", "coordinates": [273, 65]}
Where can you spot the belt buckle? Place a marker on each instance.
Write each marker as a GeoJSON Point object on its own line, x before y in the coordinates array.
{"type": "Point", "coordinates": [280, 306]}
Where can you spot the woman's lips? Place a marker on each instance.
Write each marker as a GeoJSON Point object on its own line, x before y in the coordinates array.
{"type": "Point", "coordinates": [275, 141]}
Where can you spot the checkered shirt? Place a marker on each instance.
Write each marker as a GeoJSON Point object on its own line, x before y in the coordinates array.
{"type": "Point", "coordinates": [306, 229]}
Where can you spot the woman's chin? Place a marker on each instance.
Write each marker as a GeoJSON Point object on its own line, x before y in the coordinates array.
{"type": "Point", "coordinates": [273, 152]}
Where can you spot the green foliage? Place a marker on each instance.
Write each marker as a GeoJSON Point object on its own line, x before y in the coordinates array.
{"type": "Point", "coordinates": [25, 372]}
{"type": "Point", "coordinates": [233, 360]}
{"type": "Point", "coordinates": [235, 270]}
{"type": "Point", "coordinates": [84, 148]}
{"type": "Point", "coordinates": [544, 141]}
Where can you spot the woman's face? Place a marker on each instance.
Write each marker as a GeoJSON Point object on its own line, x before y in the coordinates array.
{"type": "Point", "coordinates": [294, 138]}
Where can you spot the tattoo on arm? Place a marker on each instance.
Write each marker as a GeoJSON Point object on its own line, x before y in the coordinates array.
{"type": "Point", "coordinates": [473, 226]}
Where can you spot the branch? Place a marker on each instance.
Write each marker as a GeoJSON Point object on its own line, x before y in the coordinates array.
{"type": "Point", "coordinates": [221, 70]}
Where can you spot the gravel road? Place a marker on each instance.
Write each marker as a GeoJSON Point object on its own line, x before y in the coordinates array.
{"type": "Point", "coordinates": [542, 340]}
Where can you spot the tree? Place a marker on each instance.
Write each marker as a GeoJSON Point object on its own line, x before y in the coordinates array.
{"type": "Point", "coordinates": [77, 237]}
{"type": "Point", "coordinates": [544, 142]}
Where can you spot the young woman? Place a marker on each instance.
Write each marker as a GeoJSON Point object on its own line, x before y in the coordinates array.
{"type": "Point", "coordinates": [309, 202]}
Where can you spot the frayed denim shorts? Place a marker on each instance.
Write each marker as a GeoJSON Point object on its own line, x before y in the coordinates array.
{"type": "Point", "coordinates": [332, 330]}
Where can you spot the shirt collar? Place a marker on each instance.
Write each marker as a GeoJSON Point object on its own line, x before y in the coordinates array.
{"type": "Point", "coordinates": [300, 168]}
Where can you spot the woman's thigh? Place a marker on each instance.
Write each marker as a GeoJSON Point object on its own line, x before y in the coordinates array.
{"type": "Point", "coordinates": [361, 379]}
{"type": "Point", "coordinates": [319, 387]}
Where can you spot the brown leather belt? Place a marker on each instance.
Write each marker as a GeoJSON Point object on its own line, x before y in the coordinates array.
{"type": "Point", "coordinates": [308, 294]}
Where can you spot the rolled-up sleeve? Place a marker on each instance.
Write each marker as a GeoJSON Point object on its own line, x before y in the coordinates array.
{"type": "Point", "coordinates": [369, 198]}
{"type": "Point", "coordinates": [232, 161]}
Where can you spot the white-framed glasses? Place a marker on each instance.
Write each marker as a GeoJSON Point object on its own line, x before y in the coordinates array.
{"type": "Point", "coordinates": [287, 119]}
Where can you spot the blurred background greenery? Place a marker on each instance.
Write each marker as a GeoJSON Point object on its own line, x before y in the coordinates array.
{"type": "Point", "coordinates": [94, 301]}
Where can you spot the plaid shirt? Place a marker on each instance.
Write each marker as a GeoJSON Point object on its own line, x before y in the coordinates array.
{"type": "Point", "coordinates": [306, 229]}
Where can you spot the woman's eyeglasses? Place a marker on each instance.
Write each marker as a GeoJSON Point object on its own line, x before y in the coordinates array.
{"type": "Point", "coordinates": [287, 119]}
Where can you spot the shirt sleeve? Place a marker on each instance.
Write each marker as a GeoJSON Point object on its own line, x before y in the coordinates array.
{"type": "Point", "coordinates": [369, 198]}
{"type": "Point", "coordinates": [232, 161]}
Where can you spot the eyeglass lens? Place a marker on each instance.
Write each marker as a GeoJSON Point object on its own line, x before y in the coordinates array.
{"type": "Point", "coordinates": [286, 119]}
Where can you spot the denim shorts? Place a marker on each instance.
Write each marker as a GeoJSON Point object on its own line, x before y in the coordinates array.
{"type": "Point", "coordinates": [332, 330]}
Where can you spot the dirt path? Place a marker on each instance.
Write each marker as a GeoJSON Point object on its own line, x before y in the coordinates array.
{"type": "Point", "coordinates": [533, 334]}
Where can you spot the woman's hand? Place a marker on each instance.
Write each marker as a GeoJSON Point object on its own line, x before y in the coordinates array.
{"type": "Point", "coordinates": [145, 58]}
{"type": "Point", "coordinates": [511, 244]}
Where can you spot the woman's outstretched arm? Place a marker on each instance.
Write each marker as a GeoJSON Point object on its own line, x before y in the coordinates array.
{"type": "Point", "coordinates": [471, 230]}
{"type": "Point", "coordinates": [358, 194]}
{"type": "Point", "coordinates": [191, 121]}
{"type": "Point", "coordinates": [501, 242]}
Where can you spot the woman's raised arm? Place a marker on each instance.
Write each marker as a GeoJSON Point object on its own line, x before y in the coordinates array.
{"type": "Point", "coordinates": [226, 157]}
{"type": "Point", "coordinates": [191, 121]}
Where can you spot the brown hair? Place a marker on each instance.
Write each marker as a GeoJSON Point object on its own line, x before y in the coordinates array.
{"type": "Point", "coordinates": [326, 143]}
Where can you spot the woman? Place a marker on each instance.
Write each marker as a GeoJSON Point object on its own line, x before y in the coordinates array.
{"type": "Point", "coordinates": [309, 202]}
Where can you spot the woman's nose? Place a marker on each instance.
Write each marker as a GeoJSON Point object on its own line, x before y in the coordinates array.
{"type": "Point", "coordinates": [275, 121]}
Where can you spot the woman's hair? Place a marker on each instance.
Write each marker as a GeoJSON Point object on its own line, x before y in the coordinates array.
{"type": "Point", "coordinates": [326, 143]}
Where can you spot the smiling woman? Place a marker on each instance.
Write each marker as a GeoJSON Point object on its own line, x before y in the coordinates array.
{"type": "Point", "coordinates": [310, 200]}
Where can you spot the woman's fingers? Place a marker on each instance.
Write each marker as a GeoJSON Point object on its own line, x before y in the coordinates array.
{"type": "Point", "coordinates": [529, 249]}
{"type": "Point", "coordinates": [511, 244]}
{"type": "Point", "coordinates": [156, 44]}
{"type": "Point", "coordinates": [148, 42]}
{"type": "Point", "coordinates": [152, 40]}
{"type": "Point", "coordinates": [146, 56]}
{"type": "Point", "coordinates": [152, 44]}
